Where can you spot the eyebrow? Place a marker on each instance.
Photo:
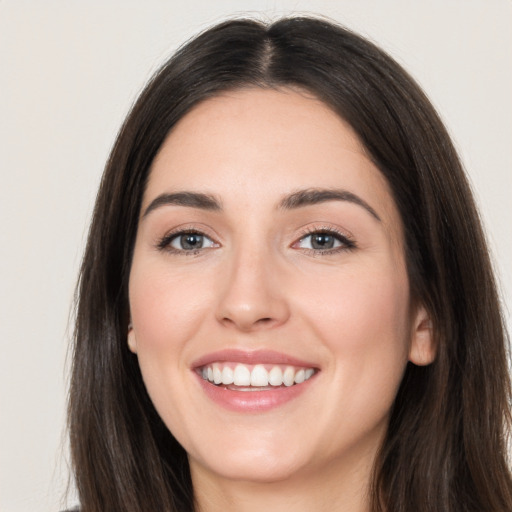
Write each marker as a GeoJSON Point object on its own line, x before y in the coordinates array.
{"type": "Point", "coordinates": [299, 199]}
{"type": "Point", "coordinates": [312, 196]}
{"type": "Point", "coordinates": [190, 199]}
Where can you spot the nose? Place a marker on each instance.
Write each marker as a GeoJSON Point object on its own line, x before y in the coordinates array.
{"type": "Point", "coordinates": [253, 295]}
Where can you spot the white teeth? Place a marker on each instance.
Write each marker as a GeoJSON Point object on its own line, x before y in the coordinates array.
{"type": "Point", "coordinates": [275, 376]}
{"type": "Point", "coordinates": [259, 377]}
{"type": "Point", "coordinates": [217, 374]}
{"type": "Point", "coordinates": [242, 376]}
{"type": "Point", "coordinates": [227, 376]}
{"type": "Point", "coordinates": [289, 376]}
{"type": "Point", "coordinates": [300, 376]}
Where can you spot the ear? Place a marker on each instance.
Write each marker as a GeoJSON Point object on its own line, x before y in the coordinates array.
{"type": "Point", "coordinates": [132, 341]}
{"type": "Point", "coordinates": [422, 351]}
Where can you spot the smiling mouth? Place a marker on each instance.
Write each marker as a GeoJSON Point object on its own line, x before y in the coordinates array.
{"type": "Point", "coordinates": [258, 377]}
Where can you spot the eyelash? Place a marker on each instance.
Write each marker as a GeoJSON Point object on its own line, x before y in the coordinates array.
{"type": "Point", "coordinates": [164, 244]}
{"type": "Point", "coordinates": [347, 244]}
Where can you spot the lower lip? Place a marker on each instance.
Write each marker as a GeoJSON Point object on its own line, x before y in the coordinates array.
{"type": "Point", "coordinates": [252, 401]}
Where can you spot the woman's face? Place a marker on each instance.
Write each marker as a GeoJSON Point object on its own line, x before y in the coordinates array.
{"type": "Point", "coordinates": [269, 259]}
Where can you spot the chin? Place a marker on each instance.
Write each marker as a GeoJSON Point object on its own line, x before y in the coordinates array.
{"type": "Point", "coordinates": [252, 458]}
{"type": "Point", "coordinates": [261, 468]}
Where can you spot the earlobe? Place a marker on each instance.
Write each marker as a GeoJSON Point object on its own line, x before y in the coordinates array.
{"type": "Point", "coordinates": [422, 351]}
{"type": "Point", "coordinates": [132, 342]}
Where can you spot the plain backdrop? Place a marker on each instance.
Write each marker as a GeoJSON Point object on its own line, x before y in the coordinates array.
{"type": "Point", "coordinates": [69, 72]}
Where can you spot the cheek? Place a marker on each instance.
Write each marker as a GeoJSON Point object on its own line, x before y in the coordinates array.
{"type": "Point", "coordinates": [362, 319]}
{"type": "Point", "coordinates": [166, 308]}
{"type": "Point", "coordinates": [368, 307]}
{"type": "Point", "coordinates": [363, 324]}
{"type": "Point", "coordinates": [167, 311]}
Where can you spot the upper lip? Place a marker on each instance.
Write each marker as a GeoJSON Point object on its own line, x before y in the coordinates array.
{"type": "Point", "coordinates": [251, 357]}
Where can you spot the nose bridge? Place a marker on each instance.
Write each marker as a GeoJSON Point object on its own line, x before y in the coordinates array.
{"type": "Point", "coordinates": [251, 296]}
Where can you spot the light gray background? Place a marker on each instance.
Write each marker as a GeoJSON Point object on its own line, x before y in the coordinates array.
{"type": "Point", "coordinates": [69, 72]}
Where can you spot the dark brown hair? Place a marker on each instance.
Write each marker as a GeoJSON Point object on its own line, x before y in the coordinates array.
{"type": "Point", "coordinates": [446, 444]}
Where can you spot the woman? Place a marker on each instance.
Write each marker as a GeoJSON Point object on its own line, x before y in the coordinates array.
{"type": "Point", "coordinates": [286, 298]}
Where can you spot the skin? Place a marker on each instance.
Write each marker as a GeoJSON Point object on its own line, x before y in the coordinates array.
{"type": "Point", "coordinates": [257, 284]}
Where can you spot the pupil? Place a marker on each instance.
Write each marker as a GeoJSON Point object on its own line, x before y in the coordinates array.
{"type": "Point", "coordinates": [322, 241]}
{"type": "Point", "coordinates": [191, 241]}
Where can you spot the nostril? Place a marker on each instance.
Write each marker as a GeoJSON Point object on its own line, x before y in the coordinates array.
{"type": "Point", "coordinates": [249, 324]}
{"type": "Point", "coordinates": [265, 322]}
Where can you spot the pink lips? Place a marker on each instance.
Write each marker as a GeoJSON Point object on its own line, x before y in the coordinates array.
{"type": "Point", "coordinates": [251, 401]}
{"type": "Point", "coordinates": [250, 357]}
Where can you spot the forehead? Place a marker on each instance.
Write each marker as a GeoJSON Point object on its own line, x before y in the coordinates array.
{"type": "Point", "coordinates": [256, 124]}
{"type": "Point", "coordinates": [264, 143]}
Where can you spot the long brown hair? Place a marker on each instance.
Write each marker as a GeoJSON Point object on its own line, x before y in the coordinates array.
{"type": "Point", "coordinates": [446, 444]}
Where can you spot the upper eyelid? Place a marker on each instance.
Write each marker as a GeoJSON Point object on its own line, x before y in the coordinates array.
{"type": "Point", "coordinates": [190, 228]}
{"type": "Point", "coordinates": [325, 228]}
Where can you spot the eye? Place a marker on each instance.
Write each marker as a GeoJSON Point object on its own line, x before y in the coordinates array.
{"type": "Point", "coordinates": [190, 241]}
{"type": "Point", "coordinates": [325, 241]}
{"type": "Point", "coordinates": [186, 241]}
